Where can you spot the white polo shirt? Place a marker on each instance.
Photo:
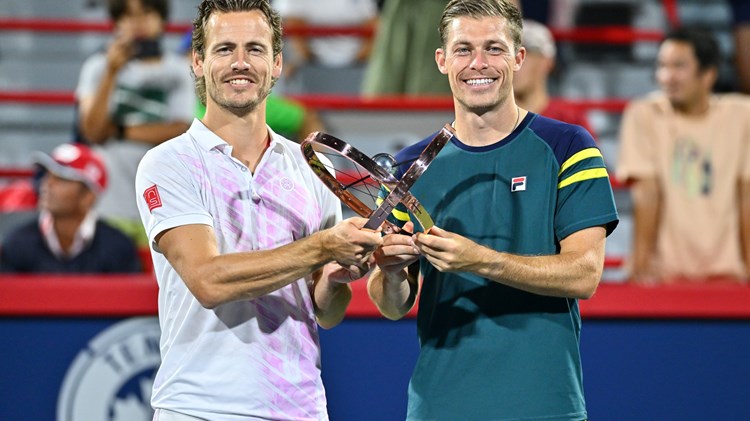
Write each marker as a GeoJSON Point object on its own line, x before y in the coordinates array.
{"type": "Point", "coordinates": [247, 360]}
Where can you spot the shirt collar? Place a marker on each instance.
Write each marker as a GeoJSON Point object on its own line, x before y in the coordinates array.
{"type": "Point", "coordinates": [208, 140]}
{"type": "Point", "coordinates": [84, 235]}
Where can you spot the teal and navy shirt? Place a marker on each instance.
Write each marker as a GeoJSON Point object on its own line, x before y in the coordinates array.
{"type": "Point", "coordinates": [489, 351]}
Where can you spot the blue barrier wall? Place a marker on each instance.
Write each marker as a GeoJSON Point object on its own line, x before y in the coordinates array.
{"type": "Point", "coordinates": [633, 369]}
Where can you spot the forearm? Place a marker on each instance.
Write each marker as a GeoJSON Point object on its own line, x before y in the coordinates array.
{"type": "Point", "coordinates": [95, 122]}
{"type": "Point", "coordinates": [155, 133]}
{"type": "Point", "coordinates": [394, 293]}
{"type": "Point", "coordinates": [646, 208]}
{"type": "Point", "coordinates": [330, 298]}
{"type": "Point", "coordinates": [367, 42]}
{"type": "Point", "coordinates": [231, 277]}
{"type": "Point", "coordinates": [571, 275]}
{"type": "Point", "coordinates": [299, 43]}
{"type": "Point", "coordinates": [745, 223]}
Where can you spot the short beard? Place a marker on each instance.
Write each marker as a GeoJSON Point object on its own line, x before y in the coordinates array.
{"type": "Point", "coordinates": [242, 111]}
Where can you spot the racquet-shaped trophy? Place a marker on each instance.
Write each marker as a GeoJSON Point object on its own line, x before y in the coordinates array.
{"type": "Point", "coordinates": [357, 179]}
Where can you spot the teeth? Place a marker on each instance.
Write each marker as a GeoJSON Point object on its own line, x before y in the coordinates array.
{"type": "Point", "coordinates": [479, 81]}
{"type": "Point", "coordinates": [239, 82]}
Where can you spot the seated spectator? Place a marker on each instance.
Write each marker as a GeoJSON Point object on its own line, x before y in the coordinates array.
{"type": "Point", "coordinates": [687, 153]}
{"type": "Point", "coordinates": [68, 237]}
{"type": "Point", "coordinates": [131, 97]}
{"type": "Point", "coordinates": [530, 82]}
{"type": "Point", "coordinates": [328, 51]}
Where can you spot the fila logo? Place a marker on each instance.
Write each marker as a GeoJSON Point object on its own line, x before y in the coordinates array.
{"type": "Point", "coordinates": [518, 184]}
{"type": "Point", "coordinates": [153, 200]}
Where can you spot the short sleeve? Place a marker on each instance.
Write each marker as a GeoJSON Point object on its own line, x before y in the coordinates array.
{"type": "Point", "coordinates": [91, 73]}
{"type": "Point", "coordinates": [745, 153]}
{"type": "Point", "coordinates": [168, 193]}
{"type": "Point", "coordinates": [636, 155]}
{"type": "Point", "coordinates": [584, 197]}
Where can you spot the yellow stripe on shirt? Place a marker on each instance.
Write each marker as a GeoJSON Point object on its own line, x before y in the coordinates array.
{"type": "Point", "coordinates": [401, 216]}
{"type": "Point", "coordinates": [583, 175]}
{"type": "Point", "coordinates": [580, 156]}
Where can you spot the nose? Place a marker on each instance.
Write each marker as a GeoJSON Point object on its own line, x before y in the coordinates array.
{"type": "Point", "coordinates": [664, 74]}
{"type": "Point", "coordinates": [479, 61]}
{"type": "Point", "coordinates": [240, 62]}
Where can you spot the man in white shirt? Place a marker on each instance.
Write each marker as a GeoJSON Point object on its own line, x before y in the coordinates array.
{"type": "Point", "coordinates": [249, 250]}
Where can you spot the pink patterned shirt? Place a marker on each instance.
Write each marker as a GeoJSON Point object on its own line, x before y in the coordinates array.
{"type": "Point", "coordinates": [255, 359]}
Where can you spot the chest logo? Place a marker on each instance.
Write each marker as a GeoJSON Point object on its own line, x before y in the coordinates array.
{"type": "Point", "coordinates": [287, 184]}
{"type": "Point", "coordinates": [518, 184]}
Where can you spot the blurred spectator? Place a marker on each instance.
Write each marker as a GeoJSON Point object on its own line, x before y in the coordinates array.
{"type": "Point", "coordinates": [530, 82]}
{"type": "Point", "coordinates": [403, 56]}
{"type": "Point", "coordinates": [132, 97]}
{"type": "Point", "coordinates": [68, 237]}
{"type": "Point", "coordinates": [687, 153]}
{"type": "Point", "coordinates": [741, 32]}
{"type": "Point", "coordinates": [328, 51]}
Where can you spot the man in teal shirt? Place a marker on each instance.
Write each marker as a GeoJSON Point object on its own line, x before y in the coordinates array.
{"type": "Point", "coordinates": [522, 206]}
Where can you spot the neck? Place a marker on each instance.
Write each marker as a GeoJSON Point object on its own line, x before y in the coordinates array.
{"type": "Point", "coordinates": [490, 127]}
{"type": "Point", "coordinates": [247, 134]}
{"type": "Point", "coordinates": [695, 108]}
{"type": "Point", "coordinates": [66, 228]}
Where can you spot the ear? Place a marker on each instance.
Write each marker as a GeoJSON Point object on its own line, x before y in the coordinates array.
{"type": "Point", "coordinates": [549, 65]}
{"type": "Point", "coordinates": [197, 64]}
{"type": "Point", "coordinates": [88, 198]}
{"type": "Point", "coordinates": [519, 58]}
{"type": "Point", "coordinates": [440, 60]}
{"type": "Point", "coordinates": [278, 64]}
{"type": "Point", "coordinates": [709, 77]}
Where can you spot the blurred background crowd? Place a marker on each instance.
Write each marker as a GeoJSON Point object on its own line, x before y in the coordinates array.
{"type": "Point", "coordinates": [109, 79]}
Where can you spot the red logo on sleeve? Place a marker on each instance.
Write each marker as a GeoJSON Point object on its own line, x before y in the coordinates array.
{"type": "Point", "coordinates": [151, 195]}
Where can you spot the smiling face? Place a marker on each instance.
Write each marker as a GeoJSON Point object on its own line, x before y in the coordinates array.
{"type": "Point", "coordinates": [238, 64]}
{"type": "Point", "coordinates": [479, 58]}
{"type": "Point", "coordinates": [140, 22]}
{"type": "Point", "coordinates": [63, 197]}
{"type": "Point", "coordinates": [679, 74]}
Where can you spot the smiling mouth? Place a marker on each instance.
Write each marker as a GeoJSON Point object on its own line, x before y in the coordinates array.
{"type": "Point", "coordinates": [480, 82]}
{"type": "Point", "coordinates": [239, 82]}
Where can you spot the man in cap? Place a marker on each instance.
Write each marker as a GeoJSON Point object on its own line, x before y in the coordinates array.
{"type": "Point", "coordinates": [530, 82]}
{"type": "Point", "coordinates": [68, 237]}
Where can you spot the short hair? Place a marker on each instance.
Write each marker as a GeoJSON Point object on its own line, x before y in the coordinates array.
{"type": "Point", "coordinates": [483, 8]}
{"type": "Point", "coordinates": [704, 44]}
{"type": "Point", "coordinates": [118, 8]}
{"type": "Point", "coordinates": [208, 7]}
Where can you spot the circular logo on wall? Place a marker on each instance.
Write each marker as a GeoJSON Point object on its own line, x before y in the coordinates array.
{"type": "Point", "coordinates": [111, 378]}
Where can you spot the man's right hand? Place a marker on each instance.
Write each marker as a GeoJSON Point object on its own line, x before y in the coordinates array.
{"type": "Point", "coordinates": [119, 52]}
{"type": "Point", "coordinates": [350, 245]}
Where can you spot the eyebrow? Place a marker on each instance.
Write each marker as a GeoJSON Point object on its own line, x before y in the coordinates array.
{"type": "Point", "coordinates": [486, 43]}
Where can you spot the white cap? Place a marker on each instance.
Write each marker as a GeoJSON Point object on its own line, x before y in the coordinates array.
{"type": "Point", "coordinates": [537, 38]}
